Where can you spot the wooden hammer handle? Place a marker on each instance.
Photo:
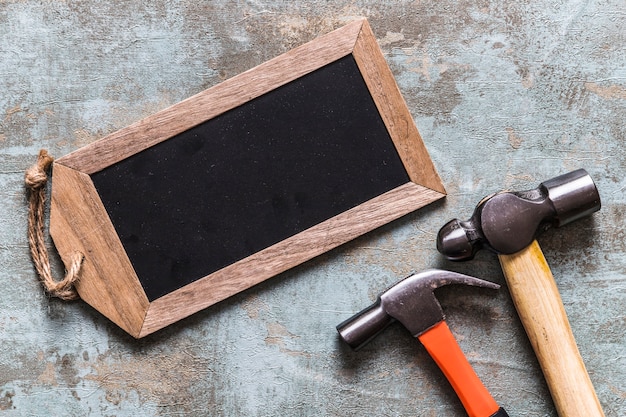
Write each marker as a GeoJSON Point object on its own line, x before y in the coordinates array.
{"type": "Point", "coordinates": [541, 311]}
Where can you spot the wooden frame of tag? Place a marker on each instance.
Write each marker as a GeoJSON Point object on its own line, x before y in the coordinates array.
{"type": "Point", "coordinates": [79, 221]}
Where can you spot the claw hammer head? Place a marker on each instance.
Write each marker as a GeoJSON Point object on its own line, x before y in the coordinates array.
{"type": "Point", "coordinates": [507, 222]}
{"type": "Point", "coordinates": [410, 301]}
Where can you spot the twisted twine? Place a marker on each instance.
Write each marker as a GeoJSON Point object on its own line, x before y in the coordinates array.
{"type": "Point", "coordinates": [36, 179]}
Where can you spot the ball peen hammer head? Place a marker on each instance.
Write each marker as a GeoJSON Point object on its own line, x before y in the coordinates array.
{"type": "Point", "coordinates": [507, 222]}
{"type": "Point", "coordinates": [411, 301]}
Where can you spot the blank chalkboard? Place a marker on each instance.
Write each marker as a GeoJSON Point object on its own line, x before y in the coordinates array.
{"type": "Point", "coordinates": [241, 182]}
{"type": "Point", "coordinates": [254, 176]}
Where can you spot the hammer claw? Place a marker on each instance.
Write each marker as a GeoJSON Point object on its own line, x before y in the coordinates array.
{"type": "Point", "coordinates": [413, 303]}
{"type": "Point", "coordinates": [439, 278]}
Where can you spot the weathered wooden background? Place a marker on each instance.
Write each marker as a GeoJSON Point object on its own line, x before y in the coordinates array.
{"type": "Point", "coordinates": [505, 94]}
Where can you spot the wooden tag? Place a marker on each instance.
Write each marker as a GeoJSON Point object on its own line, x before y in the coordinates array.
{"type": "Point", "coordinates": [240, 182]}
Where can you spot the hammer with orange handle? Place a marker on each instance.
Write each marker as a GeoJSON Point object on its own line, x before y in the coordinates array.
{"type": "Point", "coordinates": [413, 303]}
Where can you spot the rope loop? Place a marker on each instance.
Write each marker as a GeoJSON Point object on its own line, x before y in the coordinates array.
{"type": "Point", "coordinates": [36, 178]}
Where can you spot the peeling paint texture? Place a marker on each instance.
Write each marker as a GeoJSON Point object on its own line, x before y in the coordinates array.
{"type": "Point", "coordinates": [505, 94]}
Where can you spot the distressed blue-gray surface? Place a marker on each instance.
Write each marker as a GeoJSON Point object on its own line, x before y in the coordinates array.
{"type": "Point", "coordinates": [505, 94]}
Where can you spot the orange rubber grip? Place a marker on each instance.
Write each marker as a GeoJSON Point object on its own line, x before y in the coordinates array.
{"type": "Point", "coordinates": [444, 349]}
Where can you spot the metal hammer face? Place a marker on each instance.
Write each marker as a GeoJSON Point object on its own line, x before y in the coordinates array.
{"type": "Point", "coordinates": [507, 222]}
{"type": "Point", "coordinates": [410, 301]}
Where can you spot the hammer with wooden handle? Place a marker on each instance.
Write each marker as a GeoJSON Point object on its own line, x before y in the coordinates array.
{"type": "Point", "coordinates": [508, 223]}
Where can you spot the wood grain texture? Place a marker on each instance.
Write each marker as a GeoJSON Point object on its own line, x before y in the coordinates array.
{"type": "Point", "coordinates": [286, 254]}
{"type": "Point", "coordinates": [538, 303]}
{"type": "Point", "coordinates": [394, 111]}
{"type": "Point", "coordinates": [214, 101]}
{"type": "Point", "coordinates": [79, 222]}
